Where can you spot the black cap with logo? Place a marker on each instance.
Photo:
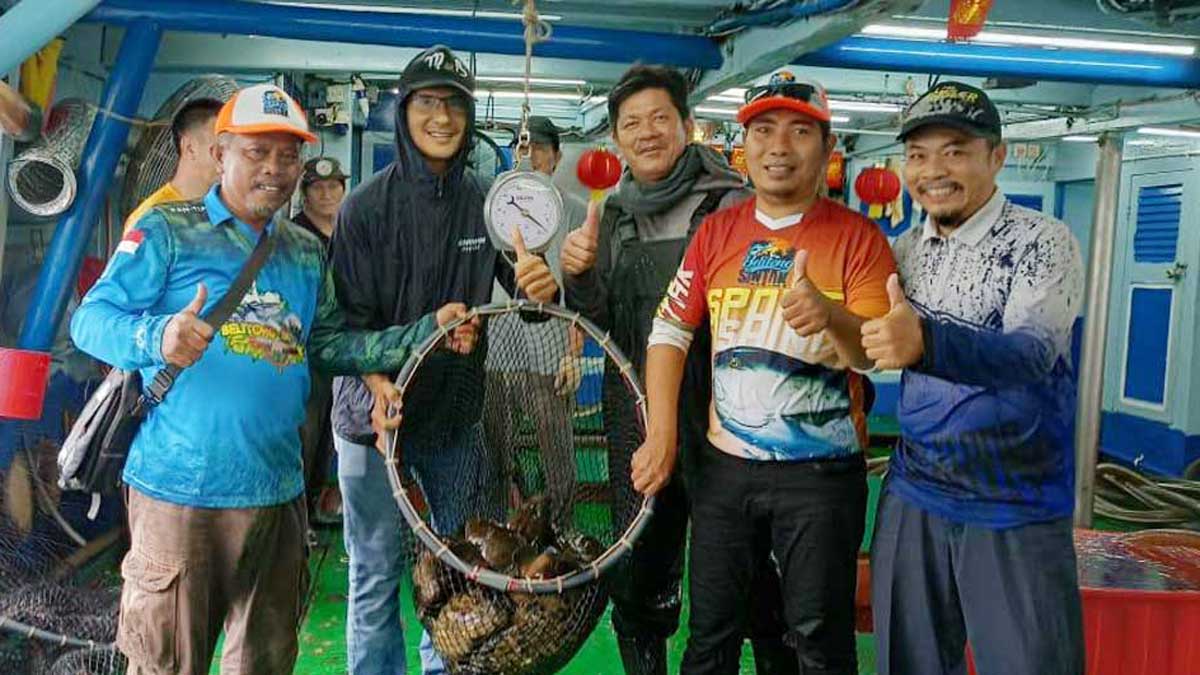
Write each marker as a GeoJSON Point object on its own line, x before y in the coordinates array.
{"type": "Point", "coordinates": [321, 168]}
{"type": "Point", "coordinates": [437, 67]}
{"type": "Point", "coordinates": [953, 104]}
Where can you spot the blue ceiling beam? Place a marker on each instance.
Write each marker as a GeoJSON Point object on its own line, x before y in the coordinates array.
{"type": "Point", "coordinates": [497, 36]}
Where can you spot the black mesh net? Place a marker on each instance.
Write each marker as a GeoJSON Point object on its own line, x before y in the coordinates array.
{"type": "Point", "coordinates": [517, 512]}
{"type": "Point", "coordinates": [59, 589]}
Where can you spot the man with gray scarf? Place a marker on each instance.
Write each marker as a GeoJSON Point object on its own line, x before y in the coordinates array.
{"type": "Point", "coordinates": [616, 269]}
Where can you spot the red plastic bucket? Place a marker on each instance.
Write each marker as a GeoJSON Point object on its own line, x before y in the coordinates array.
{"type": "Point", "coordinates": [23, 377]}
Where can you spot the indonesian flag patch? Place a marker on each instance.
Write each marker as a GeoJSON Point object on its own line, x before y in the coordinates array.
{"type": "Point", "coordinates": [131, 241]}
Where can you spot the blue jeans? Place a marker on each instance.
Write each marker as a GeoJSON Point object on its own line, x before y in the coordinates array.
{"type": "Point", "coordinates": [453, 474]}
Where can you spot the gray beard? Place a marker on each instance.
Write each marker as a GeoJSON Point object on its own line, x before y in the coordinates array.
{"type": "Point", "coordinates": [265, 211]}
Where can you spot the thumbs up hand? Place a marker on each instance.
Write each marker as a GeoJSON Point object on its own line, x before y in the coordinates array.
{"type": "Point", "coordinates": [533, 274]}
{"type": "Point", "coordinates": [805, 307]}
{"type": "Point", "coordinates": [187, 336]}
{"type": "Point", "coordinates": [895, 340]}
{"type": "Point", "coordinates": [579, 246]}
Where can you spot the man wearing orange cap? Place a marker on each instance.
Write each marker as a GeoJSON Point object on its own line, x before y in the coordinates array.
{"type": "Point", "coordinates": [786, 279]}
{"type": "Point", "coordinates": [216, 512]}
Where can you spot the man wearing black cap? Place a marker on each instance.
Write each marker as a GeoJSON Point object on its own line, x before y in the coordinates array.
{"type": "Point", "coordinates": [545, 154]}
{"type": "Point", "coordinates": [408, 236]}
{"type": "Point", "coordinates": [323, 186]}
{"type": "Point", "coordinates": [973, 538]}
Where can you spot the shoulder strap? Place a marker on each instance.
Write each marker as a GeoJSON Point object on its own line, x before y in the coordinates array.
{"type": "Point", "coordinates": [712, 200]}
{"type": "Point", "coordinates": [627, 228]}
{"type": "Point", "coordinates": [219, 314]}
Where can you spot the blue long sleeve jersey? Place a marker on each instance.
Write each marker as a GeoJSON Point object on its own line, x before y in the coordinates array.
{"type": "Point", "coordinates": [986, 418]}
{"type": "Point", "coordinates": [226, 436]}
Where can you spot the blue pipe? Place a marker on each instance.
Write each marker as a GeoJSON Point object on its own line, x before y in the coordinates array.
{"type": "Point", "coordinates": [1062, 65]}
{"type": "Point", "coordinates": [778, 15]}
{"type": "Point", "coordinates": [105, 144]}
{"type": "Point", "coordinates": [497, 36]}
{"type": "Point", "coordinates": [29, 25]}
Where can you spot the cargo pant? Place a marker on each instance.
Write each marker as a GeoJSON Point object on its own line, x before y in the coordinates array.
{"type": "Point", "coordinates": [191, 572]}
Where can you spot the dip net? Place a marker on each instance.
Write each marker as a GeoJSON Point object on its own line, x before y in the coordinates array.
{"type": "Point", "coordinates": [59, 586]}
{"type": "Point", "coordinates": [516, 486]}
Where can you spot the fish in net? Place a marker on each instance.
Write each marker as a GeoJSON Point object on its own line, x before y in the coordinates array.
{"type": "Point", "coordinates": [511, 479]}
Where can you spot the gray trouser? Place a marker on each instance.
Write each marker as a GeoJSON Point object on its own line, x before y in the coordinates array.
{"type": "Point", "coordinates": [937, 584]}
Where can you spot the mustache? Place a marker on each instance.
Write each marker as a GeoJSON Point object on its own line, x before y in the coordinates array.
{"type": "Point", "coordinates": [933, 185]}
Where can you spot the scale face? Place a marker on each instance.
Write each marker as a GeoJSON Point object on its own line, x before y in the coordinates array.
{"type": "Point", "coordinates": [528, 200]}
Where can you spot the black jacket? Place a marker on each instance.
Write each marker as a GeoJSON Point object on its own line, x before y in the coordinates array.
{"type": "Point", "coordinates": [408, 242]}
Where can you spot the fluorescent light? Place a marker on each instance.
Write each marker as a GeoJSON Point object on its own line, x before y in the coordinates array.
{"type": "Point", "coordinates": [1080, 139]}
{"type": "Point", "coordinates": [545, 95]}
{"type": "Point", "coordinates": [834, 104]}
{"type": "Point", "coordinates": [1164, 131]}
{"type": "Point", "coordinates": [548, 81]}
{"type": "Point", "coordinates": [864, 106]}
{"type": "Point", "coordinates": [1140, 141]}
{"type": "Point", "coordinates": [709, 110]}
{"type": "Point", "coordinates": [866, 132]}
{"type": "Point", "coordinates": [722, 98]}
{"type": "Point", "coordinates": [992, 37]}
{"type": "Point", "coordinates": [839, 119]}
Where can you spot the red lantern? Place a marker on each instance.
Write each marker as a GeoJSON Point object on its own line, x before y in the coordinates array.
{"type": "Point", "coordinates": [877, 185]}
{"type": "Point", "coordinates": [835, 172]}
{"type": "Point", "coordinates": [737, 160]}
{"type": "Point", "coordinates": [966, 18]}
{"type": "Point", "coordinates": [598, 169]}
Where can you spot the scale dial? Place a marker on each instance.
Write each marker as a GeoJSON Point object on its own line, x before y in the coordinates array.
{"type": "Point", "coordinates": [528, 200]}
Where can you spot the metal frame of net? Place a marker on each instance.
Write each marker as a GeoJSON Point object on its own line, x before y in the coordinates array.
{"type": "Point", "coordinates": [514, 533]}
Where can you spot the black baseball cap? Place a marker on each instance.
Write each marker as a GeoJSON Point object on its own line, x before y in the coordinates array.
{"type": "Point", "coordinates": [321, 168]}
{"type": "Point", "coordinates": [953, 104]}
{"type": "Point", "coordinates": [542, 130]}
{"type": "Point", "coordinates": [438, 67]}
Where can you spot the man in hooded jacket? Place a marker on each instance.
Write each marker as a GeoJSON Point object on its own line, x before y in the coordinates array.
{"type": "Point", "coordinates": [616, 269]}
{"type": "Point", "coordinates": [407, 237]}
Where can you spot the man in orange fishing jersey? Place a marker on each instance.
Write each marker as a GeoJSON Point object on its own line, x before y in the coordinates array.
{"type": "Point", "coordinates": [786, 281]}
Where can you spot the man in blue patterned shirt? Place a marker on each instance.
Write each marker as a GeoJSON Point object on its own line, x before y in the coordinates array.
{"type": "Point", "coordinates": [973, 538]}
{"type": "Point", "coordinates": [216, 512]}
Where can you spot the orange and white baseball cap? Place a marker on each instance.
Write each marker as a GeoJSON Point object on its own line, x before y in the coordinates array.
{"type": "Point", "coordinates": [262, 109]}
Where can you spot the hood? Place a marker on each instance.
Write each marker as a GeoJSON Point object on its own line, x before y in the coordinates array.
{"type": "Point", "coordinates": [411, 162]}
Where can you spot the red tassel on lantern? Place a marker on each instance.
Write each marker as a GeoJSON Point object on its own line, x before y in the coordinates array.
{"type": "Point", "coordinates": [966, 18]}
{"type": "Point", "coordinates": [877, 185]}
{"type": "Point", "coordinates": [835, 172]}
{"type": "Point", "coordinates": [599, 170]}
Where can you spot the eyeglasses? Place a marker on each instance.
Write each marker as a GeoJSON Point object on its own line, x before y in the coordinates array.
{"type": "Point", "coordinates": [430, 104]}
{"type": "Point", "coordinates": [797, 90]}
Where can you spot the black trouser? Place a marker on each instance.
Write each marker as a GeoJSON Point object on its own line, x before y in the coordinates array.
{"type": "Point", "coordinates": [646, 586]}
{"type": "Point", "coordinates": [935, 583]}
{"type": "Point", "coordinates": [810, 517]}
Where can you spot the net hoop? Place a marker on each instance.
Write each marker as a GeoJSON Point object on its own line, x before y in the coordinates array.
{"type": "Point", "coordinates": [495, 580]}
